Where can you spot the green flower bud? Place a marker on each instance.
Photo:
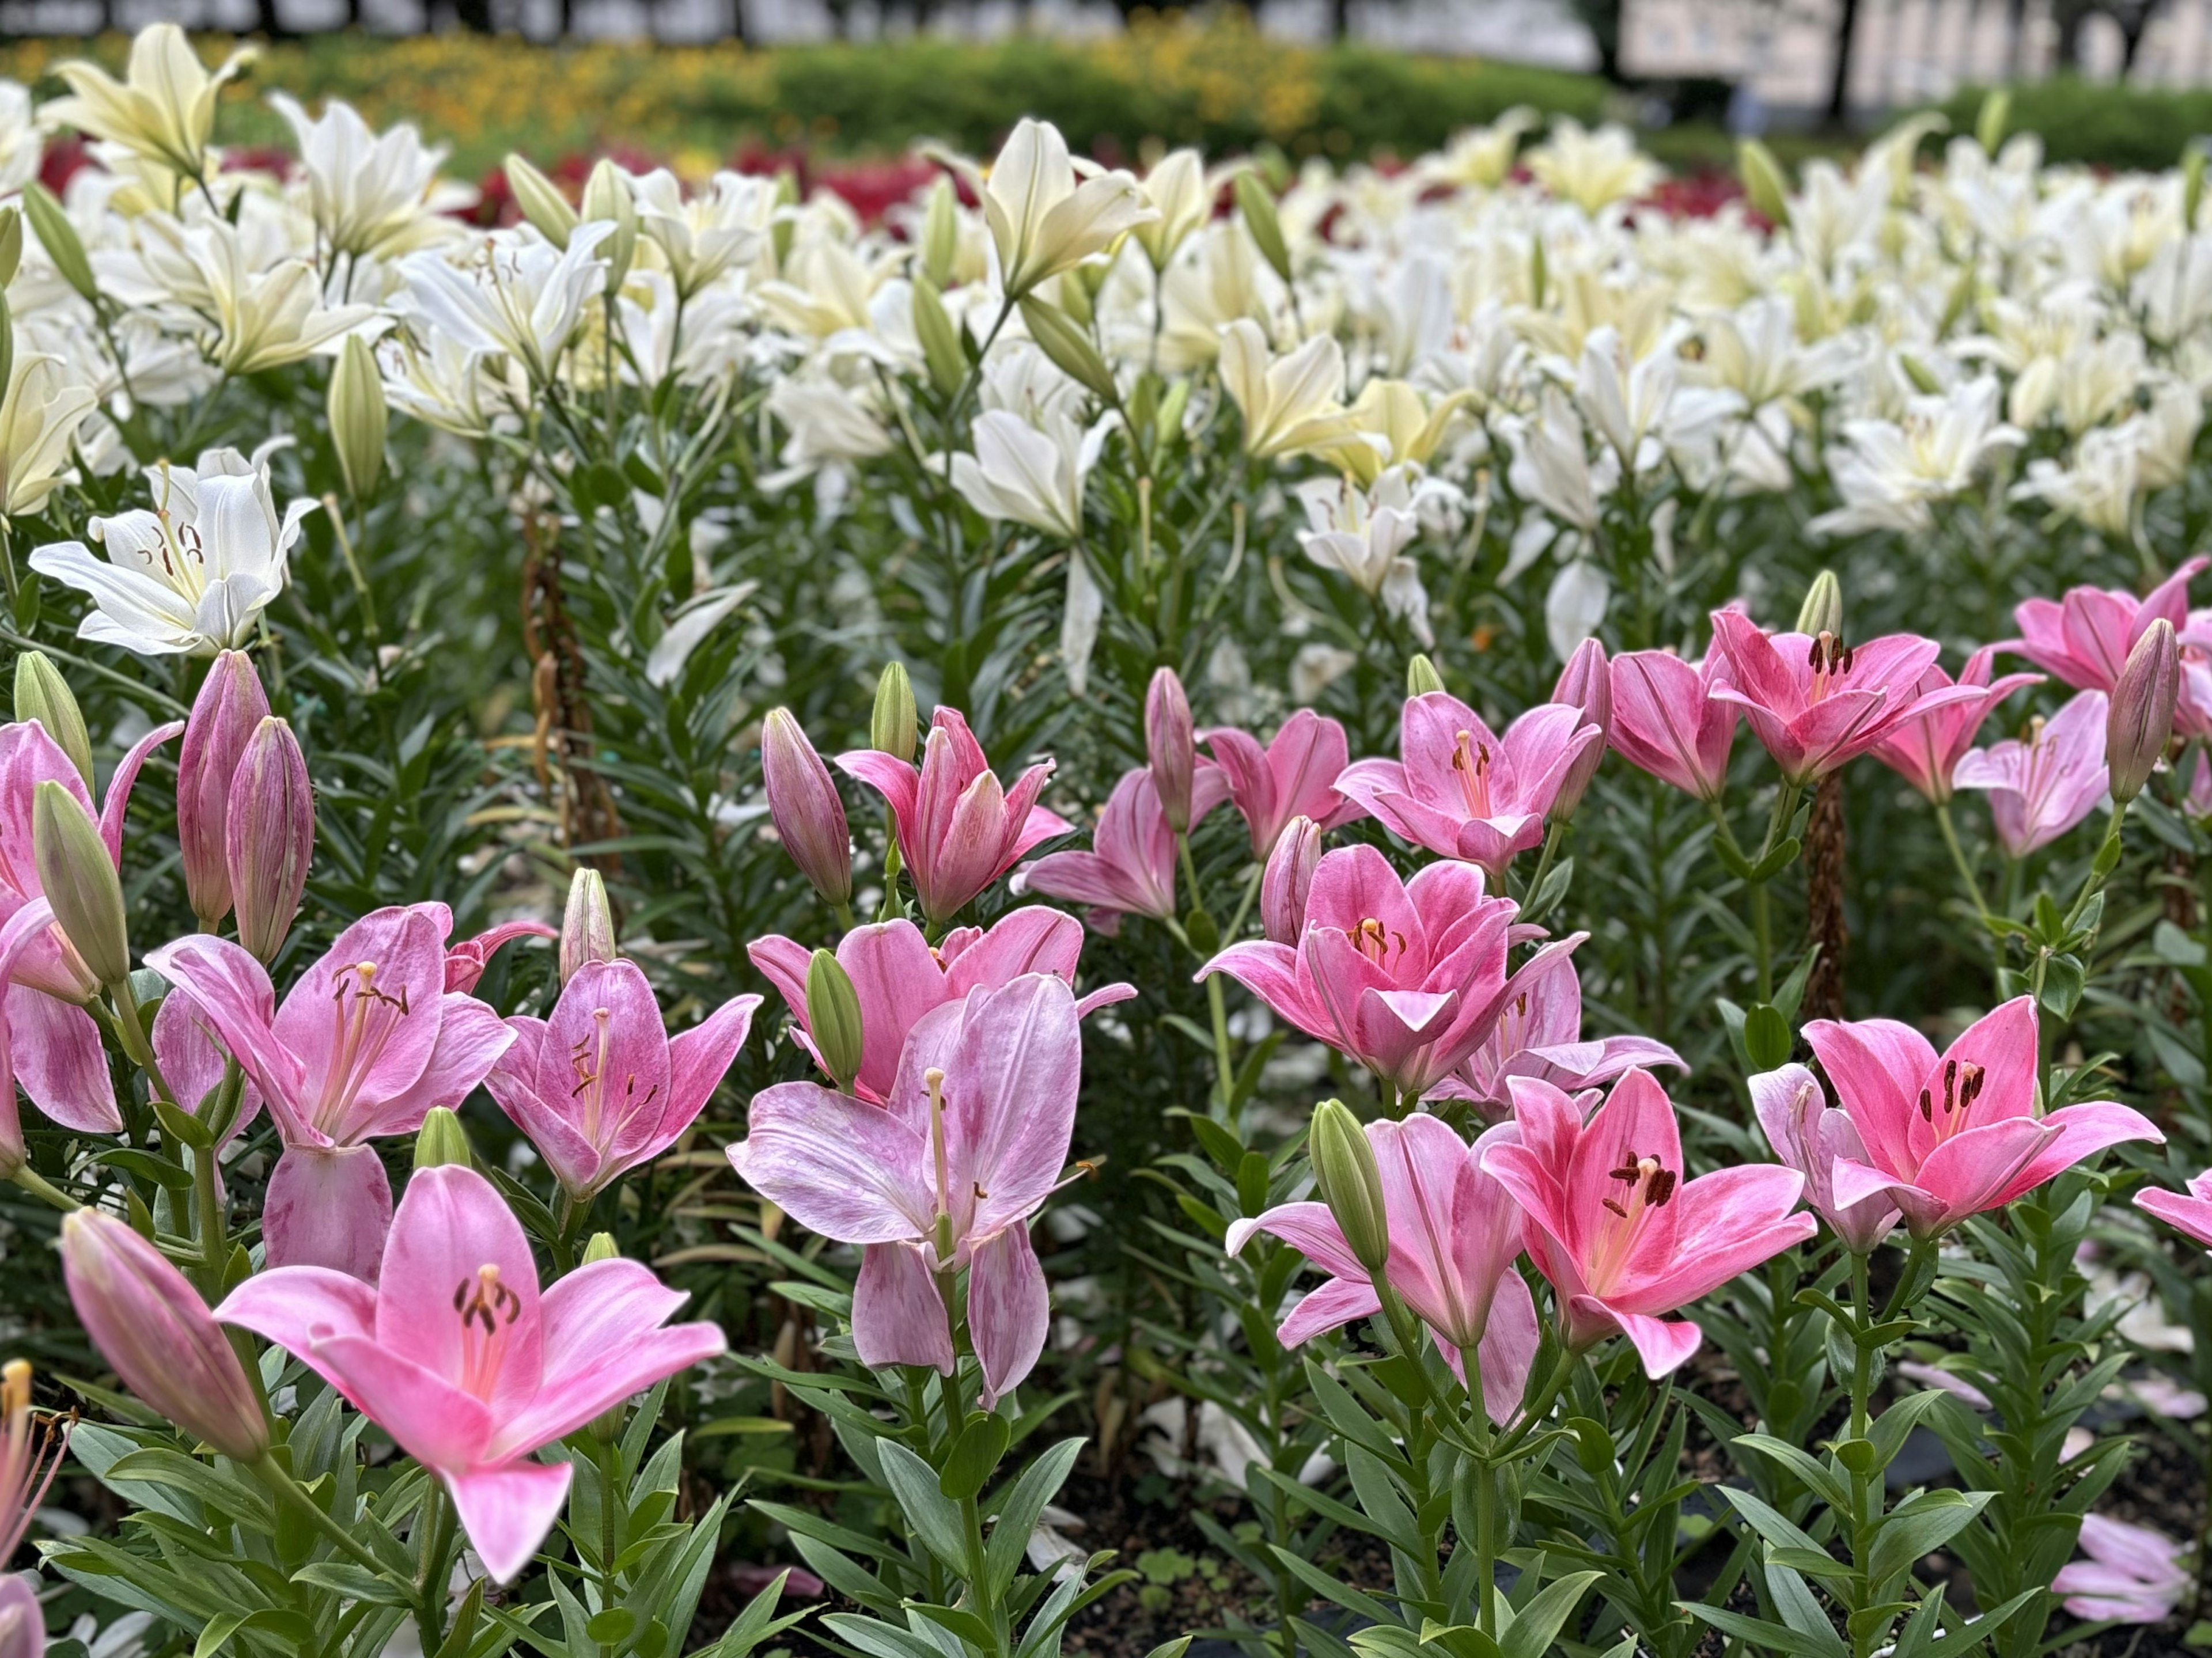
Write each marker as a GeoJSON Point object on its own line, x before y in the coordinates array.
{"type": "Point", "coordinates": [940, 232]}
{"type": "Point", "coordinates": [607, 198]}
{"type": "Point", "coordinates": [541, 202]}
{"type": "Point", "coordinates": [941, 351]}
{"type": "Point", "coordinates": [80, 881]}
{"type": "Point", "coordinates": [441, 1140]}
{"type": "Point", "coordinates": [1064, 341]}
{"type": "Point", "coordinates": [1822, 612]}
{"type": "Point", "coordinates": [41, 693]}
{"type": "Point", "coordinates": [1255, 201]}
{"type": "Point", "coordinates": [1351, 1184]}
{"type": "Point", "coordinates": [357, 415]}
{"type": "Point", "coordinates": [1764, 185]}
{"type": "Point", "coordinates": [601, 1247]}
{"type": "Point", "coordinates": [1989, 125]}
{"type": "Point", "coordinates": [2192, 182]}
{"type": "Point", "coordinates": [11, 244]}
{"type": "Point", "coordinates": [51, 223]}
{"type": "Point", "coordinates": [892, 726]}
{"type": "Point", "coordinates": [1421, 675]}
{"type": "Point", "coordinates": [833, 1018]}
{"type": "Point", "coordinates": [606, 1427]}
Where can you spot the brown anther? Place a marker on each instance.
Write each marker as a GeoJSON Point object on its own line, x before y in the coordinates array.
{"type": "Point", "coordinates": [1927, 1107]}
{"type": "Point", "coordinates": [1662, 1188]}
{"type": "Point", "coordinates": [1616, 1208]}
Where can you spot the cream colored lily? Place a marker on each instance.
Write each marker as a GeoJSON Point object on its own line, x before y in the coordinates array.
{"type": "Point", "coordinates": [163, 109]}
{"type": "Point", "coordinates": [38, 418]}
{"type": "Point", "coordinates": [1048, 212]}
{"type": "Point", "coordinates": [1289, 404]}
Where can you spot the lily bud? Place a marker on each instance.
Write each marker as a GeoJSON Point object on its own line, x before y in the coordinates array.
{"type": "Point", "coordinates": [892, 725]}
{"type": "Point", "coordinates": [80, 882]}
{"type": "Point", "coordinates": [1069, 348]}
{"type": "Point", "coordinates": [833, 1018]}
{"type": "Point", "coordinates": [153, 1328]}
{"type": "Point", "coordinates": [1586, 684]}
{"type": "Point", "coordinates": [270, 838]}
{"type": "Point", "coordinates": [540, 201]}
{"type": "Point", "coordinates": [1351, 1184]}
{"type": "Point", "coordinates": [2192, 182]}
{"type": "Point", "coordinates": [355, 406]}
{"type": "Point", "coordinates": [2140, 720]}
{"type": "Point", "coordinates": [1255, 201]}
{"type": "Point", "coordinates": [587, 926]}
{"type": "Point", "coordinates": [1763, 186]}
{"type": "Point", "coordinates": [1990, 121]}
{"type": "Point", "coordinates": [608, 200]}
{"type": "Point", "coordinates": [1171, 746]}
{"type": "Point", "coordinates": [11, 244]}
{"type": "Point", "coordinates": [226, 714]}
{"type": "Point", "coordinates": [1286, 880]}
{"type": "Point", "coordinates": [941, 351]}
{"type": "Point", "coordinates": [50, 223]}
{"type": "Point", "coordinates": [606, 1427]}
{"type": "Point", "coordinates": [1421, 675]}
{"type": "Point", "coordinates": [441, 1140]}
{"type": "Point", "coordinates": [1822, 612]}
{"type": "Point", "coordinates": [41, 693]}
{"type": "Point", "coordinates": [809, 816]}
{"type": "Point", "coordinates": [940, 232]}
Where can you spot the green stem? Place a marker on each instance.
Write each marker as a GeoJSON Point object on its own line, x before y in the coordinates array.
{"type": "Point", "coordinates": [278, 1478]}
{"type": "Point", "coordinates": [133, 1030]}
{"type": "Point", "coordinates": [430, 1581]}
{"type": "Point", "coordinates": [32, 1181]}
{"type": "Point", "coordinates": [845, 922]}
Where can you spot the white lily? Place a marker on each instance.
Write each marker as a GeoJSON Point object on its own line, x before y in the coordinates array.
{"type": "Point", "coordinates": [521, 298]}
{"type": "Point", "coordinates": [370, 194]}
{"type": "Point", "coordinates": [1592, 169]}
{"type": "Point", "coordinates": [38, 420]}
{"type": "Point", "coordinates": [1032, 475]}
{"type": "Point", "coordinates": [1048, 212]}
{"type": "Point", "coordinates": [163, 109]}
{"type": "Point", "coordinates": [1888, 472]}
{"type": "Point", "coordinates": [1290, 404]}
{"type": "Point", "coordinates": [1364, 534]}
{"type": "Point", "coordinates": [708, 235]}
{"type": "Point", "coordinates": [21, 144]}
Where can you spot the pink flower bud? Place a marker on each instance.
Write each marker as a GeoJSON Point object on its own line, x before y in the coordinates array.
{"type": "Point", "coordinates": [802, 798]}
{"type": "Point", "coordinates": [270, 837]}
{"type": "Point", "coordinates": [229, 709]}
{"type": "Point", "coordinates": [1170, 746]}
{"type": "Point", "coordinates": [1286, 880]}
{"type": "Point", "coordinates": [2140, 721]}
{"type": "Point", "coordinates": [153, 1328]}
{"type": "Point", "coordinates": [1586, 684]}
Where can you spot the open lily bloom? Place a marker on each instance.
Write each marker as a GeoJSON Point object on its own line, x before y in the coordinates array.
{"type": "Point", "coordinates": [1622, 1236]}
{"type": "Point", "coordinates": [899, 978]}
{"type": "Point", "coordinates": [1130, 867]}
{"type": "Point", "coordinates": [1951, 1136]}
{"type": "Point", "coordinates": [944, 1175]}
{"type": "Point", "coordinates": [1669, 719]}
{"type": "Point", "coordinates": [2083, 638]}
{"type": "Point", "coordinates": [1406, 978]}
{"type": "Point", "coordinates": [367, 1041]}
{"type": "Point", "coordinates": [2192, 1215]}
{"type": "Point", "coordinates": [1925, 749]}
{"type": "Point", "coordinates": [2133, 1575]}
{"type": "Point", "coordinates": [1461, 792]}
{"type": "Point", "coordinates": [460, 1359]}
{"type": "Point", "coordinates": [1454, 1235]}
{"type": "Point", "coordinates": [1540, 1034]}
{"type": "Point", "coordinates": [1809, 1135]}
{"type": "Point", "coordinates": [1292, 776]}
{"type": "Point", "coordinates": [959, 829]}
{"type": "Point", "coordinates": [2043, 783]}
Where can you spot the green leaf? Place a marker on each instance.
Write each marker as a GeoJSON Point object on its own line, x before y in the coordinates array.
{"type": "Point", "coordinates": [1538, 1624]}
{"type": "Point", "coordinates": [1018, 1513]}
{"type": "Point", "coordinates": [285, 1625]}
{"type": "Point", "coordinates": [932, 1514]}
{"type": "Point", "coordinates": [1816, 1474]}
{"type": "Point", "coordinates": [612, 1626]}
{"type": "Point", "coordinates": [975, 1457]}
{"type": "Point", "coordinates": [1919, 1525]}
{"type": "Point", "coordinates": [229, 1496]}
{"type": "Point", "coordinates": [1766, 1037]}
{"type": "Point", "coordinates": [355, 1583]}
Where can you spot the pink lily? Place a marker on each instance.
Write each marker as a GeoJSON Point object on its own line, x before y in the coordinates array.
{"type": "Point", "coordinates": [2133, 1575]}
{"type": "Point", "coordinates": [945, 1175]}
{"type": "Point", "coordinates": [1668, 721]}
{"type": "Point", "coordinates": [1293, 775]}
{"type": "Point", "coordinates": [367, 1041]}
{"type": "Point", "coordinates": [55, 1047]}
{"type": "Point", "coordinates": [599, 1087]}
{"type": "Point", "coordinates": [1926, 749]}
{"type": "Point", "coordinates": [1454, 1235]}
{"type": "Point", "coordinates": [1540, 1034]}
{"type": "Point", "coordinates": [1808, 1134]}
{"type": "Point", "coordinates": [459, 1358]}
{"type": "Point", "coordinates": [1405, 978]}
{"type": "Point", "coordinates": [466, 961]}
{"type": "Point", "coordinates": [2190, 1215]}
{"type": "Point", "coordinates": [1461, 792]}
{"type": "Point", "coordinates": [1620, 1234]}
{"type": "Point", "coordinates": [2042, 785]}
{"type": "Point", "coordinates": [1819, 703]}
{"type": "Point", "coordinates": [1130, 869]}
{"type": "Point", "coordinates": [1951, 1137]}
{"type": "Point", "coordinates": [30, 1454]}
{"type": "Point", "coordinates": [900, 979]}
{"type": "Point", "coordinates": [2084, 638]}
{"type": "Point", "coordinates": [958, 829]}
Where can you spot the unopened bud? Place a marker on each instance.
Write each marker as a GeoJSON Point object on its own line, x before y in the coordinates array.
{"type": "Point", "coordinates": [1170, 746]}
{"type": "Point", "coordinates": [1822, 612]}
{"type": "Point", "coordinates": [2140, 720]}
{"type": "Point", "coordinates": [606, 1427]}
{"type": "Point", "coordinates": [2192, 182]}
{"type": "Point", "coordinates": [540, 201]}
{"type": "Point", "coordinates": [1763, 186]}
{"type": "Point", "coordinates": [940, 232]}
{"type": "Point", "coordinates": [270, 839]}
{"type": "Point", "coordinates": [802, 798]}
{"type": "Point", "coordinates": [783, 228]}
{"type": "Point", "coordinates": [226, 714]}
{"type": "Point", "coordinates": [587, 926]}
{"type": "Point", "coordinates": [1068, 348]}
{"type": "Point", "coordinates": [1587, 683]}
{"type": "Point", "coordinates": [443, 1139]}
{"type": "Point", "coordinates": [833, 1018]}
{"type": "Point", "coordinates": [355, 406]}
{"type": "Point", "coordinates": [80, 881]}
{"type": "Point", "coordinates": [11, 244]}
{"type": "Point", "coordinates": [1257, 205]}
{"type": "Point", "coordinates": [941, 351]}
{"type": "Point", "coordinates": [1287, 878]}
{"type": "Point", "coordinates": [41, 693]}
{"type": "Point", "coordinates": [893, 725]}
{"type": "Point", "coordinates": [608, 200]}
{"type": "Point", "coordinates": [1421, 675]}
{"type": "Point", "coordinates": [1990, 122]}
{"type": "Point", "coordinates": [1351, 1184]}
{"type": "Point", "coordinates": [50, 223]}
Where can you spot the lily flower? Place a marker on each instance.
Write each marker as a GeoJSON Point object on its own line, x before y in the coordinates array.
{"type": "Point", "coordinates": [1293, 775]}
{"type": "Point", "coordinates": [944, 1175]}
{"type": "Point", "coordinates": [2190, 1215]}
{"type": "Point", "coordinates": [1669, 719]}
{"type": "Point", "coordinates": [30, 1455]}
{"type": "Point", "coordinates": [2083, 638]}
{"type": "Point", "coordinates": [1462, 792]}
{"type": "Point", "coordinates": [1028, 474]}
{"type": "Point", "coordinates": [1925, 749]}
{"type": "Point", "coordinates": [40, 410]}
{"type": "Point", "coordinates": [1818, 704]}
{"type": "Point", "coordinates": [1950, 1137]}
{"type": "Point", "coordinates": [2042, 785]}
{"type": "Point", "coordinates": [1454, 1235]}
{"type": "Point", "coordinates": [900, 979]}
{"type": "Point", "coordinates": [523, 299]}
{"type": "Point", "coordinates": [1130, 869]}
{"type": "Point", "coordinates": [1540, 1034]}
{"type": "Point", "coordinates": [466, 961]}
{"type": "Point", "coordinates": [959, 829]}
{"type": "Point", "coordinates": [459, 1358]}
{"type": "Point", "coordinates": [1405, 978]}
{"type": "Point", "coordinates": [1622, 1236]}
{"type": "Point", "coordinates": [600, 1088]}
{"type": "Point", "coordinates": [162, 110]}
{"type": "Point", "coordinates": [366, 1042]}
{"type": "Point", "coordinates": [1291, 405]}
{"type": "Point", "coordinates": [1048, 212]}
{"type": "Point", "coordinates": [1808, 1134]}
{"type": "Point", "coordinates": [2133, 1575]}
{"type": "Point", "coordinates": [373, 195]}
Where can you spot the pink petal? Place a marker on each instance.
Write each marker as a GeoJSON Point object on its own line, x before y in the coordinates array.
{"type": "Point", "coordinates": [234, 994]}
{"type": "Point", "coordinates": [1307, 1228]}
{"type": "Point", "coordinates": [698, 1060]}
{"type": "Point", "coordinates": [469, 1039]}
{"type": "Point", "coordinates": [898, 1313]}
{"type": "Point", "coordinates": [837, 1165]}
{"type": "Point", "coordinates": [1009, 1309]}
{"type": "Point", "coordinates": [1010, 1095]}
{"type": "Point", "coordinates": [330, 1207]}
{"type": "Point", "coordinates": [295, 1307]}
{"type": "Point", "coordinates": [58, 1059]}
{"type": "Point", "coordinates": [507, 1510]}
{"type": "Point", "coordinates": [452, 1231]}
{"type": "Point", "coordinates": [437, 1424]}
{"type": "Point", "coordinates": [124, 778]}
